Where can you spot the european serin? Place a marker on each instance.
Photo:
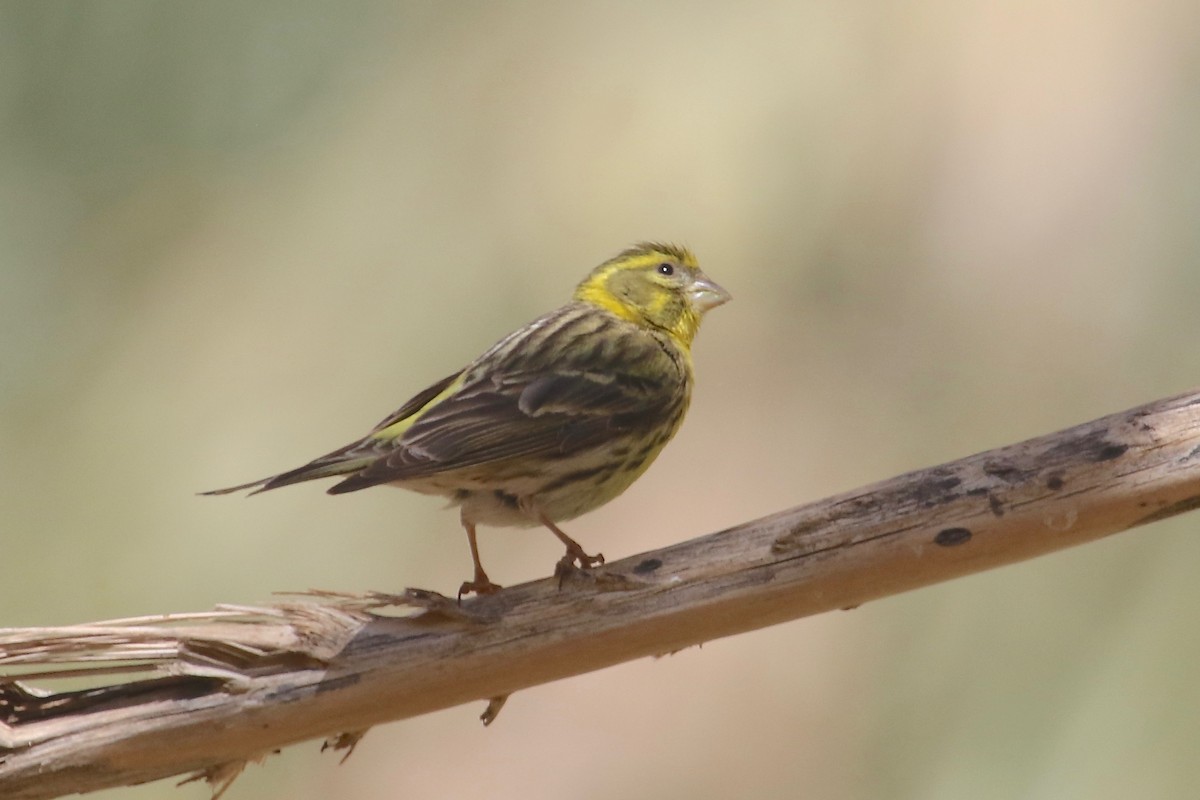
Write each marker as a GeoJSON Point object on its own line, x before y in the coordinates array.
{"type": "Point", "coordinates": [555, 419]}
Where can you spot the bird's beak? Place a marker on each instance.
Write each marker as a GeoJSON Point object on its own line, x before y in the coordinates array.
{"type": "Point", "coordinates": [705, 294]}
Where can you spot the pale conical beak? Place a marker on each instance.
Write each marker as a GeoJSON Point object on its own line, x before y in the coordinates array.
{"type": "Point", "coordinates": [706, 293]}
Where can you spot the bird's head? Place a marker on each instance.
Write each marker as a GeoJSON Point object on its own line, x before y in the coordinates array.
{"type": "Point", "coordinates": [656, 285]}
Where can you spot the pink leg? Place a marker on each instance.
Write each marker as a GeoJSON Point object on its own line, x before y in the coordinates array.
{"type": "Point", "coordinates": [480, 584]}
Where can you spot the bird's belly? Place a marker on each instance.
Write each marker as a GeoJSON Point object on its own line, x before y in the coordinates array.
{"type": "Point", "coordinates": [559, 491]}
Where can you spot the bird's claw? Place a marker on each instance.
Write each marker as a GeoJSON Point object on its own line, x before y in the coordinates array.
{"type": "Point", "coordinates": [585, 561]}
{"type": "Point", "coordinates": [574, 561]}
{"type": "Point", "coordinates": [477, 586]}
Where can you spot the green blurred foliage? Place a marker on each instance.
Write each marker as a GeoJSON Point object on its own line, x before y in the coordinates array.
{"type": "Point", "coordinates": [234, 235]}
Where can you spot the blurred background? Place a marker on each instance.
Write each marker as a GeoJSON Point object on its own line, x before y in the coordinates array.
{"type": "Point", "coordinates": [235, 235]}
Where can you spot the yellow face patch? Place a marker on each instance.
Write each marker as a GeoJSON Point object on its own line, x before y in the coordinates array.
{"type": "Point", "coordinates": [648, 285]}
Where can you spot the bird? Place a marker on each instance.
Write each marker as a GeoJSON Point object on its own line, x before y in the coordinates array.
{"type": "Point", "coordinates": [554, 420]}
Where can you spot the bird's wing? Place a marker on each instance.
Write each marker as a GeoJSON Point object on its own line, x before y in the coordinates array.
{"type": "Point", "coordinates": [526, 410]}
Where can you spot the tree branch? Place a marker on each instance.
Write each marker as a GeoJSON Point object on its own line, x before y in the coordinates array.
{"type": "Point", "coordinates": [232, 685]}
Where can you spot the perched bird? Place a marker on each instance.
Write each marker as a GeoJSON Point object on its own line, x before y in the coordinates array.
{"type": "Point", "coordinates": [555, 419]}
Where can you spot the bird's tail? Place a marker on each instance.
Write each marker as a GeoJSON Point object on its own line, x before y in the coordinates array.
{"type": "Point", "coordinates": [339, 462]}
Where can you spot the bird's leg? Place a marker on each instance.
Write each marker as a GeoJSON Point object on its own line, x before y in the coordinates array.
{"type": "Point", "coordinates": [575, 553]}
{"type": "Point", "coordinates": [480, 584]}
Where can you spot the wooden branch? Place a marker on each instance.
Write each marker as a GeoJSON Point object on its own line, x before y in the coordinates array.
{"type": "Point", "coordinates": [238, 683]}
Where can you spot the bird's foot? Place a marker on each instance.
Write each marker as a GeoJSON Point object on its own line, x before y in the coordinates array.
{"type": "Point", "coordinates": [576, 555]}
{"type": "Point", "coordinates": [480, 585]}
{"type": "Point", "coordinates": [575, 561]}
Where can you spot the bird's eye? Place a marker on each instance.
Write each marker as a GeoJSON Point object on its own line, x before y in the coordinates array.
{"type": "Point", "coordinates": [666, 269]}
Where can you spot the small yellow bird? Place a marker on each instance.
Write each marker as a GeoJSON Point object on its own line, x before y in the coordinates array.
{"type": "Point", "coordinates": [555, 419]}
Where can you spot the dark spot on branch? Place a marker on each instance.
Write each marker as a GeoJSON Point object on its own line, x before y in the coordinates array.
{"type": "Point", "coordinates": [1187, 504]}
{"type": "Point", "coordinates": [938, 488]}
{"type": "Point", "coordinates": [995, 505]}
{"type": "Point", "coordinates": [797, 538]}
{"type": "Point", "coordinates": [1005, 471]}
{"type": "Point", "coordinates": [1138, 420]}
{"type": "Point", "coordinates": [952, 537]}
{"type": "Point", "coordinates": [1055, 482]}
{"type": "Point", "coordinates": [340, 682]}
{"type": "Point", "coordinates": [647, 566]}
{"type": "Point", "coordinates": [1091, 446]}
